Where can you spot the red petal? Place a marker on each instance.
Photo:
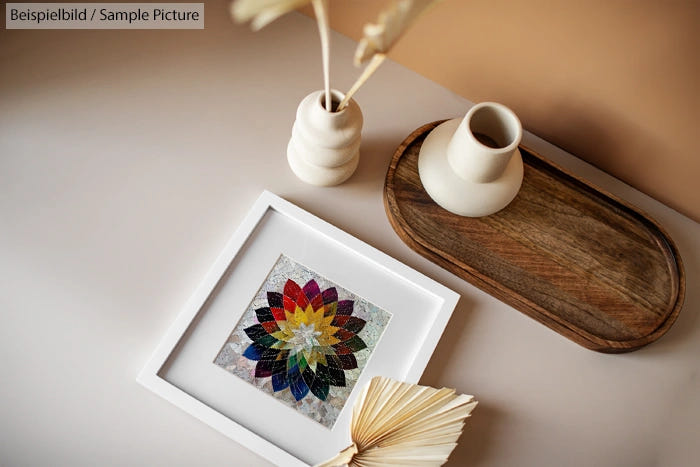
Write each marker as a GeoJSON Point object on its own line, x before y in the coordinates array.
{"type": "Point", "coordinates": [344, 334]}
{"type": "Point", "coordinates": [278, 313]}
{"type": "Point", "coordinates": [292, 289]}
{"type": "Point", "coordinates": [317, 302]}
{"type": "Point", "coordinates": [342, 349]}
{"type": "Point", "coordinates": [340, 320]}
{"type": "Point", "coordinates": [289, 304]}
{"type": "Point", "coordinates": [302, 301]}
{"type": "Point", "coordinates": [271, 327]}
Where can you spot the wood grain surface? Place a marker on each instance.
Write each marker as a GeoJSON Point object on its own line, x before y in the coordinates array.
{"type": "Point", "coordinates": [583, 262]}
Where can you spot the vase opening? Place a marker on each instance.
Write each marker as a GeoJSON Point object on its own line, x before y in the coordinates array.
{"type": "Point", "coordinates": [336, 98]}
{"type": "Point", "coordinates": [494, 127]}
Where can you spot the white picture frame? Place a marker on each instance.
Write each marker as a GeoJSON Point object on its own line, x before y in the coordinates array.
{"type": "Point", "coordinates": [181, 369]}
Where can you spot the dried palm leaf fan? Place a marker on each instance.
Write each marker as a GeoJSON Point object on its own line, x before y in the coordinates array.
{"type": "Point", "coordinates": [405, 424]}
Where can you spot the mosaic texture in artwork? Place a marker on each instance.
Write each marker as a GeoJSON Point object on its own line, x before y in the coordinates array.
{"type": "Point", "coordinates": [304, 340]}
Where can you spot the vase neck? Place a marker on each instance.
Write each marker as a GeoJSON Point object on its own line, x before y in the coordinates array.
{"type": "Point", "coordinates": [484, 142]}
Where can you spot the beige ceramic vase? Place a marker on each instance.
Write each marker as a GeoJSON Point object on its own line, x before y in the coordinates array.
{"type": "Point", "coordinates": [472, 166]}
{"type": "Point", "coordinates": [324, 148]}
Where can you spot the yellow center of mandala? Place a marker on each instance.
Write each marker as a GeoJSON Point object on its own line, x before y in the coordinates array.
{"type": "Point", "coordinates": [308, 332]}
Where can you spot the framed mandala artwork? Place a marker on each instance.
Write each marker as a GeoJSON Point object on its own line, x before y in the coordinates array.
{"type": "Point", "coordinates": [304, 340]}
{"type": "Point", "coordinates": [291, 321]}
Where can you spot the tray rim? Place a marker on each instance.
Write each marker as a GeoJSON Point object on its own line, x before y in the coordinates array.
{"type": "Point", "coordinates": [536, 311]}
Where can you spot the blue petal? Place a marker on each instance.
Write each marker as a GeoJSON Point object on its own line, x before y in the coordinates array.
{"type": "Point", "coordinates": [296, 383]}
{"type": "Point", "coordinates": [279, 381]}
{"type": "Point", "coordinates": [254, 352]}
{"type": "Point", "coordinates": [299, 389]}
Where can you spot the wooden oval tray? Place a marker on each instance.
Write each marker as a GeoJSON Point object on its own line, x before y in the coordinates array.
{"type": "Point", "coordinates": [581, 261]}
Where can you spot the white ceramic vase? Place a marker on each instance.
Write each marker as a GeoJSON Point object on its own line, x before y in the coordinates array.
{"type": "Point", "coordinates": [324, 148]}
{"type": "Point", "coordinates": [472, 166]}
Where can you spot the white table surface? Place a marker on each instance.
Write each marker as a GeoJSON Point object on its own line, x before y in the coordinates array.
{"type": "Point", "coordinates": [127, 159]}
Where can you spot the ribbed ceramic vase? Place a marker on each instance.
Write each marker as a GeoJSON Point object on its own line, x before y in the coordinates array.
{"type": "Point", "coordinates": [324, 148]}
{"type": "Point", "coordinates": [472, 166]}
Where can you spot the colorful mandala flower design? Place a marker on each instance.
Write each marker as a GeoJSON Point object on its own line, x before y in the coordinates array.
{"type": "Point", "coordinates": [305, 339]}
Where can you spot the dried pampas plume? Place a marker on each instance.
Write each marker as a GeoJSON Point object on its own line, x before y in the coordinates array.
{"type": "Point", "coordinates": [381, 36]}
{"type": "Point", "coordinates": [260, 13]}
{"type": "Point", "coordinates": [378, 37]}
{"type": "Point", "coordinates": [396, 423]}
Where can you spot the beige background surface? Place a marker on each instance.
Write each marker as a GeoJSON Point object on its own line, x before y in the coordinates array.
{"type": "Point", "coordinates": [128, 158]}
{"type": "Point", "coordinates": [615, 82]}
